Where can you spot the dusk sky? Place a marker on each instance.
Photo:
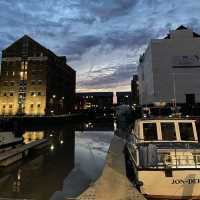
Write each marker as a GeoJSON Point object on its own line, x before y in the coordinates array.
{"type": "Point", "coordinates": [102, 39]}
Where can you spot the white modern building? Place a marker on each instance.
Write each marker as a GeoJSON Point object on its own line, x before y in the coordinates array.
{"type": "Point", "coordinates": [169, 70]}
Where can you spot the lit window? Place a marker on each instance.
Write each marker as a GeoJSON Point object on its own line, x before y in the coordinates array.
{"type": "Point", "coordinates": [13, 73]}
{"type": "Point", "coordinates": [6, 73]}
{"type": "Point", "coordinates": [25, 75]}
{"type": "Point", "coordinates": [21, 75]}
{"type": "Point", "coordinates": [54, 96]}
{"type": "Point", "coordinates": [25, 65]}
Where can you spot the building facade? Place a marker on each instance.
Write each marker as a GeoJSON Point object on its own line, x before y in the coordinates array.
{"type": "Point", "coordinates": [94, 100]}
{"type": "Point", "coordinates": [169, 70]}
{"type": "Point", "coordinates": [124, 98]}
{"type": "Point", "coordinates": [135, 90]}
{"type": "Point", "coordinates": [34, 81]}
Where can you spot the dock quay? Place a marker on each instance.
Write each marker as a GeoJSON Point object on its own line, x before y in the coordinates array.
{"type": "Point", "coordinates": [113, 183]}
{"type": "Point", "coordinates": [13, 155]}
{"type": "Point", "coordinates": [13, 120]}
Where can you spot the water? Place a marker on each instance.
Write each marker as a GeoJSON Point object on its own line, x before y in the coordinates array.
{"type": "Point", "coordinates": [73, 160]}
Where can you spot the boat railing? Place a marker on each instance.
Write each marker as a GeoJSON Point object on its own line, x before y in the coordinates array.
{"type": "Point", "coordinates": [179, 160]}
{"type": "Point", "coordinates": [152, 157]}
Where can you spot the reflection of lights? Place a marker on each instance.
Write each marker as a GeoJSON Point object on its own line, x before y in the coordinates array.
{"type": "Point", "coordinates": [187, 116]}
{"type": "Point", "coordinates": [61, 142]}
{"type": "Point", "coordinates": [115, 126]}
{"type": "Point", "coordinates": [54, 96]}
{"type": "Point", "coordinates": [19, 175]}
{"type": "Point", "coordinates": [52, 111]}
{"type": "Point", "coordinates": [104, 114]}
{"type": "Point", "coordinates": [51, 135]}
{"type": "Point", "coordinates": [63, 97]}
{"type": "Point", "coordinates": [86, 125]}
{"type": "Point", "coordinates": [52, 147]}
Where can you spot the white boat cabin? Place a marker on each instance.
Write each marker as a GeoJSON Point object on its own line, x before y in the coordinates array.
{"type": "Point", "coordinates": [161, 142]}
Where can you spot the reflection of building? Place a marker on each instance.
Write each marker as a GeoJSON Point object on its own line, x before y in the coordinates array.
{"type": "Point", "coordinates": [169, 70]}
{"type": "Point", "coordinates": [34, 80]}
{"type": "Point", "coordinates": [124, 98]}
{"type": "Point", "coordinates": [30, 136]}
{"type": "Point", "coordinates": [99, 100]}
{"type": "Point", "coordinates": [44, 172]}
{"type": "Point", "coordinates": [135, 90]}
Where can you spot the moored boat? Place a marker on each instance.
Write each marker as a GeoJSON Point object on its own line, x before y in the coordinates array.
{"type": "Point", "coordinates": [165, 158]}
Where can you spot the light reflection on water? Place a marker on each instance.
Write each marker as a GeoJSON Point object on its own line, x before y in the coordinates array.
{"type": "Point", "coordinates": [73, 159]}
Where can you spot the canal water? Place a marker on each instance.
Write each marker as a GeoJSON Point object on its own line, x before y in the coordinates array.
{"type": "Point", "coordinates": [73, 160]}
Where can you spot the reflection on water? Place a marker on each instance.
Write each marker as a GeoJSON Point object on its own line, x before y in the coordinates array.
{"type": "Point", "coordinates": [31, 136]}
{"type": "Point", "coordinates": [74, 158]}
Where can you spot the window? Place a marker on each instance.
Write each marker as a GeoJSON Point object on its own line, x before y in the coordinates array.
{"type": "Point", "coordinates": [31, 105]}
{"type": "Point", "coordinates": [4, 94]}
{"type": "Point", "coordinates": [21, 75]}
{"type": "Point", "coordinates": [11, 94]}
{"type": "Point", "coordinates": [32, 94]}
{"type": "Point", "coordinates": [4, 106]}
{"type": "Point", "coordinates": [12, 83]}
{"type": "Point", "coordinates": [33, 82]}
{"type": "Point", "coordinates": [6, 73]}
{"type": "Point", "coordinates": [39, 93]}
{"type": "Point", "coordinates": [39, 82]}
{"type": "Point", "coordinates": [38, 105]}
{"type": "Point", "coordinates": [5, 83]}
{"type": "Point", "coordinates": [150, 131]}
{"type": "Point", "coordinates": [168, 131]}
{"type": "Point", "coordinates": [13, 73]}
{"type": "Point", "coordinates": [10, 105]}
{"type": "Point", "coordinates": [186, 131]}
{"type": "Point", "coordinates": [24, 65]}
{"type": "Point", "coordinates": [25, 75]}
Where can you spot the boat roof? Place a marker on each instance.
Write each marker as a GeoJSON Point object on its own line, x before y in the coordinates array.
{"type": "Point", "coordinates": [168, 118]}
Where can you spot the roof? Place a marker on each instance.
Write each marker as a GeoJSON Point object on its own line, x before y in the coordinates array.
{"type": "Point", "coordinates": [182, 27]}
{"type": "Point", "coordinates": [123, 93]}
{"type": "Point", "coordinates": [97, 94]}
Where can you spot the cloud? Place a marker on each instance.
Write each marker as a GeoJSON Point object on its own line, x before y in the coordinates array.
{"type": "Point", "coordinates": [97, 36]}
{"type": "Point", "coordinates": [108, 77]}
{"type": "Point", "coordinates": [105, 10]}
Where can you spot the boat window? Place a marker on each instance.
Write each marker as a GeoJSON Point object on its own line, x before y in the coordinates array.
{"type": "Point", "coordinates": [186, 131]}
{"type": "Point", "coordinates": [150, 131]}
{"type": "Point", "coordinates": [168, 131]}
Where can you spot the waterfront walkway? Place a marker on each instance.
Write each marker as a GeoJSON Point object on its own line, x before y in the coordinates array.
{"type": "Point", "coordinates": [113, 183]}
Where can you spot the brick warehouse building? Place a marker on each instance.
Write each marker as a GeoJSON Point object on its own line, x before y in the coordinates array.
{"type": "Point", "coordinates": [34, 81]}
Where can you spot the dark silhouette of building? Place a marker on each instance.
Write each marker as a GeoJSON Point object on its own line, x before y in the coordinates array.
{"type": "Point", "coordinates": [135, 90]}
{"type": "Point", "coordinates": [34, 81]}
{"type": "Point", "coordinates": [124, 98]}
{"type": "Point", "coordinates": [94, 100]}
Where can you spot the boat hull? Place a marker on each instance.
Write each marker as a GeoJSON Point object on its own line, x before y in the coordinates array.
{"type": "Point", "coordinates": [184, 184]}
